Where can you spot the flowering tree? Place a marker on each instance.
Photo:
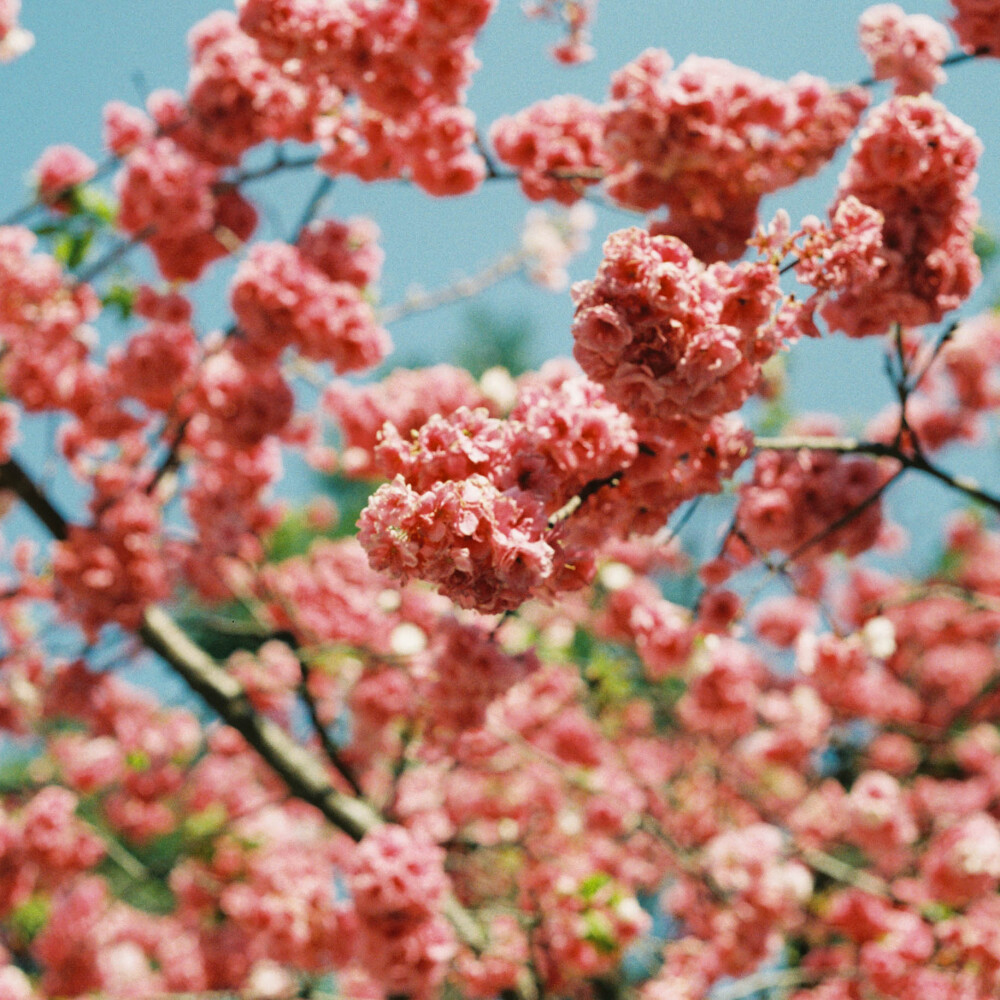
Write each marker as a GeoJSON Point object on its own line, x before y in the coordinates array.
{"type": "Point", "coordinates": [467, 746]}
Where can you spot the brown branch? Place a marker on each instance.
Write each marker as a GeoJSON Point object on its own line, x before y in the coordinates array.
{"type": "Point", "coordinates": [304, 775]}
{"type": "Point", "coordinates": [855, 446]}
{"type": "Point", "coordinates": [330, 748]}
{"type": "Point", "coordinates": [14, 478]}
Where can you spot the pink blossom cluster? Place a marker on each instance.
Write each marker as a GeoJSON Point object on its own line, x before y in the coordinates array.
{"type": "Point", "coordinates": [394, 57]}
{"type": "Point", "coordinates": [172, 201]}
{"type": "Point", "coordinates": [281, 298]}
{"type": "Point", "coordinates": [43, 843]}
{"type": "Point", "coordinates": [228, 504]}
{"type": "Point", "coordinates": [111, 570]}
{"type": "Point", "coordinates": [14, 40]}
{"type": "Point", "coordinates": [43, 323]}
{"type": "Point", "coordinates": [333, 596]}
{"type": "Point", "coordinates": [157, 365]}
{"type": "Point", "coordinates": [975, 24]}
{"type": "Point", "coordinates": [470, 504]}
{"type": "Point", "coordinates": [708, 139]}
{"type": "Point", "coordinates": [433, 146]}
{"type": "Point", "coordinates": [344, 251]}
{"type": "Point", "coordinates": [804, 499]}
{"type": "Point", "coordinates": [676, 462]}
{"type": "Point", "coordinates": [398, 885]}
{"type": "Point", "coordinates": [670, 338]}
{"type": "Point", "coordinates": [237, 100]}
{"type": "Point", "coordinates": [406, 398]}
{"type": "Point", "coordinates": [915, 163]}
{"type": "Point", "coordinates": [905, 48]}
{"type": "Point", "coordinates": [764, 891]}
{"type": "Point", "coordinates": [484, 548]}
{"type": "Point", "coordinates": [239, 405]}
{"type": "Point", "coordinates": [466, 672]}
{"type": "Point", "coordinates": [557, 147]}
{"type": "Point", "coordinates": [60, 169]}
{"type": "Point", "coordinates": [843, 256]}
{"type": "Point", "coordinates": [407, 66]}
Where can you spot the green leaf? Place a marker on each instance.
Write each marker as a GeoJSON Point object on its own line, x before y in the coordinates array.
{"type": "Point", "coordinates": [71, 248]}
{"type": "Point", "coordinates": [593, 884]}
{"type": "Point", "coordinates": [30, 917]}
{"type": "Point", "coordinates": [95, 204]}
{"type": "Point", "coordinates": [120, 298]}
{"type": "Point", "coordinates": [600, 932]}
{"type": "Point", "coordinates": [206, 823]}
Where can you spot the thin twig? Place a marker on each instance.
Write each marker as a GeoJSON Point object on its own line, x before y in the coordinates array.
{"type": "Point", "coordinates": [330, 748]}
{"type": "Point", "coordinates": [464, 288]}
{"type": "Point", "coordinates": [856, 446]}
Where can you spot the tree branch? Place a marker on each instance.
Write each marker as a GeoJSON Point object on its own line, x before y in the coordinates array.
{"type": "Point", "coordinates": [855, 446]}
{"type": "Point", "coordinates": [304, 775]}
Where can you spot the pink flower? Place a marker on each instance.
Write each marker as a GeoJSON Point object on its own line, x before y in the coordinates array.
{"type": "Point", "coordinates": [58, 170]}
{"type": "Point", "coordinates": [563, 135]}
{"type": "Point", "coordinates": [669, 338]}
{"type": "Point", "coordinates": [483, 548]}
{"type": "Point", "coordinates": [394, 875]}
{"type": "Point", "coordinates": [908, 49]}
{"type": "Point", "coordinates": [977, 25]}
{"type": "Point", "coordinates": [280, 299]}
{"type": "Point", "coordinates": [708, 139]}
{"type": "Point", "coordinates": [344, 251]}
{"type": "Point", "coordinates": [125, 128]}
{"type": "Point", "coordinates": [913, 159]}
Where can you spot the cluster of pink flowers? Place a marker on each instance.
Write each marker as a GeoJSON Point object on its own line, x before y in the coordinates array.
{"type": "Point", "coordinates": [43, 321]}
{"type": "Point", "coordinates": [334, 596]}
{"type": "Point", "coordinates": [805, 498]}
{"type": "Point", "coordinates": [236, 99]}
{"type": "Point", "coordinates": [407, 66]}
{"type": "Point", "coordinates": [669, 338]}
{"type": "Point", "coordinates": [171, 200]}
{"type": "Point", "coordinates": [398, 885]}
{"type": "Point", "coordinates": [841, 257]}
{"type": "Point", "coordinates": [14, 40]}
{"type": "Point", "coordinates": [469, 508]}
{"type": "Point", "coordinates": [706, 141]}
{"type": "Point", "coordinates": [915, 163]}
{"type": "Point", "coordinates": [157, 364]}
{"type": "Point", "coordinates": [907, 49]}
{"type": "Point", "coordinates": [227, 503]}
{"type": "Point", "coordinates": [406, 398]}
{"type": "Point", "coordinates": [281, 298]}
{"type": "Point", "coordinates": [709, 139]}
{"type": "Point", "coordinates": [466, 672]}
{"type": "Point", "coordinates": [976, 25]}
{"type": "Point", "coordinates": [60, 169]}
{"type": "Point", "coordinates": [344, 251]}
{"type": "Point", "coordinates": [484, 548]}
{"type": "Point", "coordinates": [110, 571]}
{"type": "Point", "coordinates": [557, 147]}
